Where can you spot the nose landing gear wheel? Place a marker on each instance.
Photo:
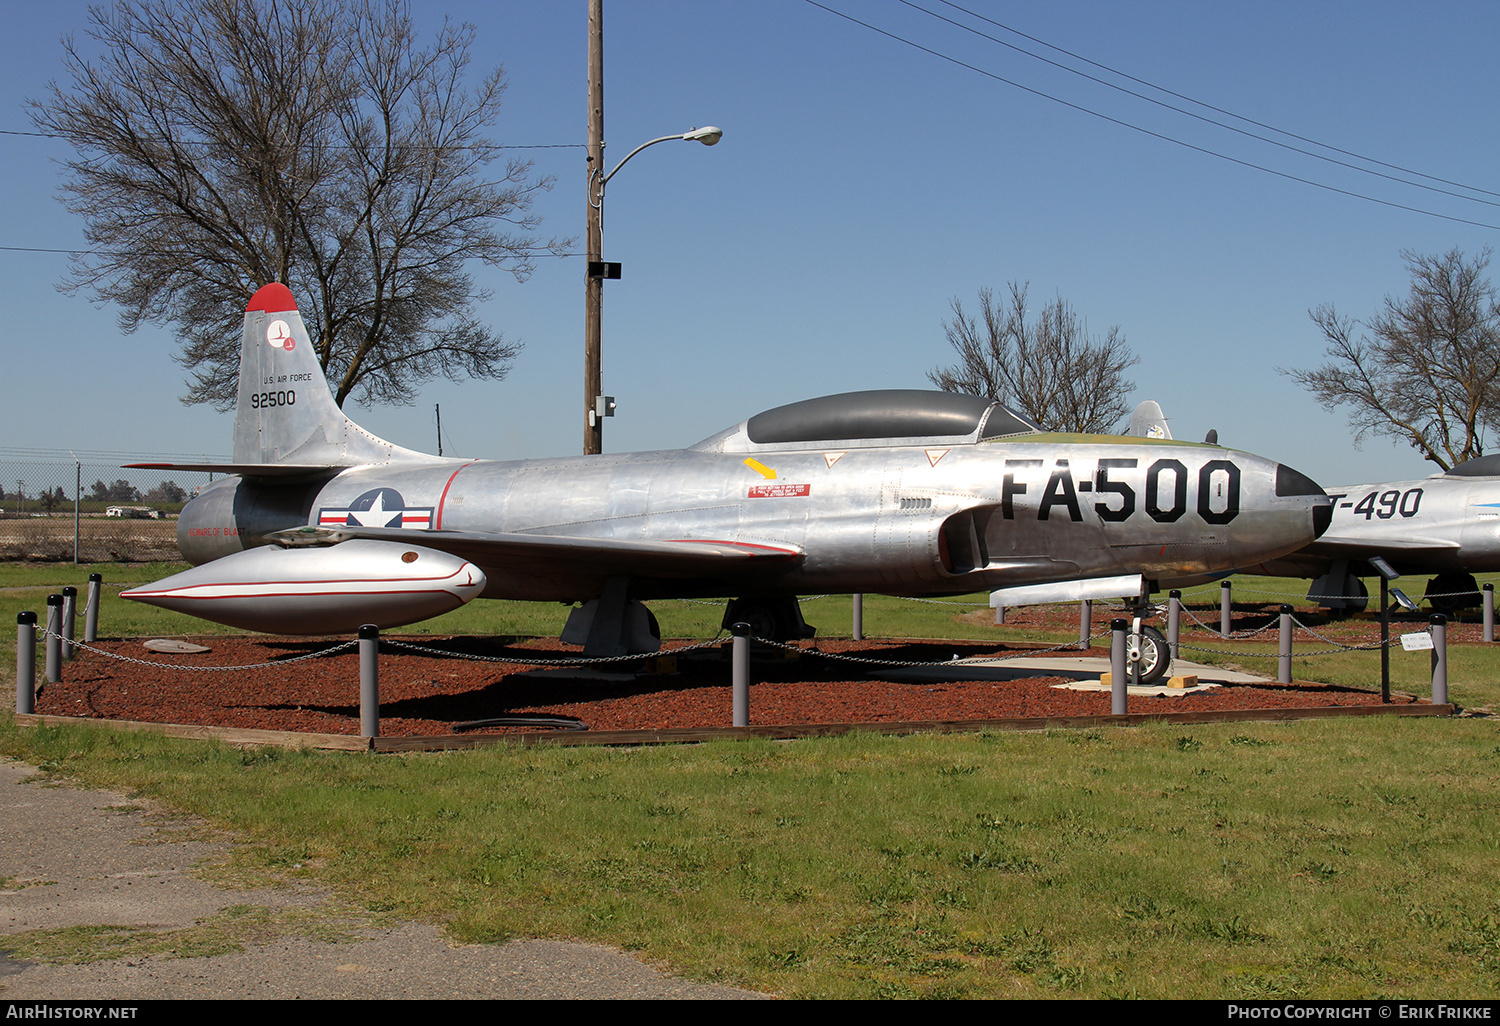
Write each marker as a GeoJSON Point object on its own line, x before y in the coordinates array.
{"type": "Point", "coordinates": [1155, 657]}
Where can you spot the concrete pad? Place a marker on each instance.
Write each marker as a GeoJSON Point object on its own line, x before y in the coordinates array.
{"type": "Point", "coordinates": [1077, 667]}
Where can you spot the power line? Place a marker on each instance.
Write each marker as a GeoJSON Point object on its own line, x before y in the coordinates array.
{"type": "Point", "coordinates": [1146, 131]}
{"type": "Point", "coordinates": [1200, 117]}
{"type": "Point", "coordinates": [87, 252]}
{"type": "Point", "coordinates": [1209, 106]}
{"type": "Point", "coordinates": [486, 146]}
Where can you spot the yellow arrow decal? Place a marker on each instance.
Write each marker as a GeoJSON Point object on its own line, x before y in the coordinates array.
{"type": "Point", "coordinates": [761, 469]}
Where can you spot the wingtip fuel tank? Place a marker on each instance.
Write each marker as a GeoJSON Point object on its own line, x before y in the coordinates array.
{"type": "Point", "coordinates": [332, 590]}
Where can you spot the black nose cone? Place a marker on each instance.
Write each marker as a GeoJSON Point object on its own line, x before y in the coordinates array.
{"type": "Point", "coordinates": [1290, 482]}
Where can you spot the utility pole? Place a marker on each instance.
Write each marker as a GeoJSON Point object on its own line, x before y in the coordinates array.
{"type": "Point", "coordinates": [593, 371]}
{"type": "Point", "coordinates": [597, 406]}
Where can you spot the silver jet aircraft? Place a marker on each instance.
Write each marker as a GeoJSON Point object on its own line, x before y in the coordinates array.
{"type": "Point", "coordinates": [324, 527]}
{"type": "Point", "coordinates": [1447, 525]}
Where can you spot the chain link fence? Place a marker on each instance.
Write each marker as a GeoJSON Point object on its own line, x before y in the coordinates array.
{"type": "Point", "coordinates": [84, 507]}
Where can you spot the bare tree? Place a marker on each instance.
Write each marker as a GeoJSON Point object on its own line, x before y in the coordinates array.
{"type": "Point", "coordinates": [1048, 369]}
{"type": "Point", "coordinates": [224, 144]}
{"type": "Point", "coordinates": [1425, 370]}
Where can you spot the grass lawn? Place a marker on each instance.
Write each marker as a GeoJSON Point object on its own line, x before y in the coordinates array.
{"type": "Point", "coordinates": [1330, 858]}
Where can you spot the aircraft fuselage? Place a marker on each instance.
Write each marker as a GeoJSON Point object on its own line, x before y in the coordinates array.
{"type": "Point", "coordinates": [324, 527]}
{"type": "Point", "coordinates": [1442, 524]}
{"type": "Point", "coordinates": [916, 519]}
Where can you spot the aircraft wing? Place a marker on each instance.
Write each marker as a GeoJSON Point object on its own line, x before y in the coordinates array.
{"type": "Point", "coordinates": [1410, 555]}
{"type": "Point", "coordinates": [560, 555]}
{"type": "Point", "coordinates": [1354, 548]}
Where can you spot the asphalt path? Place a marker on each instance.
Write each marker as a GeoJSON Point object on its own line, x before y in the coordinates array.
{"type": "Point", "coordinates": [78, 858]}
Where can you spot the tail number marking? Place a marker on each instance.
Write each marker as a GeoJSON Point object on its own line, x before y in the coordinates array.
{"type": "Point", "coordinates": [1390, 503]}
{"type": "Point", "coordinates": [1166, 487]}
{"type": "Point", "coordinates": [266, 400]}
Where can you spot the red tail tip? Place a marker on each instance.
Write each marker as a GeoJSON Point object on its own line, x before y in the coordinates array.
{"type": "Point", "coordinates": [272, 298]}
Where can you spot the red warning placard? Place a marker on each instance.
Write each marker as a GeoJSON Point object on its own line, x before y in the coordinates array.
{"type": "Point", "coordinates": [779, 491]}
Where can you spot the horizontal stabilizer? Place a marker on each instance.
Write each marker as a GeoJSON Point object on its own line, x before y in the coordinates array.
{"type": "Point", "coordinates": [246, 469]}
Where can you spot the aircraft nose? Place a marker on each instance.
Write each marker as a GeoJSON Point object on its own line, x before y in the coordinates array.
{"type": "Point", "coordinates": [1290, 483]}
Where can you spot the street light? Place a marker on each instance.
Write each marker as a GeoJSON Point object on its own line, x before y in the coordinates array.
{"type": "Point", "coordinates": [595, 404]}
{"type": "Point", "coordinates": [707, 136]}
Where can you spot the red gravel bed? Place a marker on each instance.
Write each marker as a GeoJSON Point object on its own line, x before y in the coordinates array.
{"type": "Point", "coordinates": [425, 694]}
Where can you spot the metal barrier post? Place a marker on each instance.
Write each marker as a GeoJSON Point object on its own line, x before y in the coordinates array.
{"type": "Point", "coordinates": [26, 662]}
{"type": "Point", "coordinates": [740, 663]}
{"type": "Point", "coordinates": [91, 610]}
{"type": "Point", "coordinates": [69, 622]}
{"type": "Point", "coordinates": [1489, 612]}
{"type": "Point", "coordinates": [1117, 686]}
{"type": "Point", "coordinates": [1085, 623]}
{"type": "Point", "coordinates": [1224, 609]}
{"type": "Point", "coordinates": [1439, 659]}
{"type": "Point", "coordinates": [53, 673]}
{"type": "Point", "coordinates": [999, 616]}
{"type": "Point", "coordinates": [1284, 656]}
{"type": "Point", "coordinates": [369, 681]}
{"type": "Point", "coordinates": [1174, 620]}
{"type": "Point", "coordinates": [1385, 641]}
{"type": "Point", "coordinates": [859, 617]}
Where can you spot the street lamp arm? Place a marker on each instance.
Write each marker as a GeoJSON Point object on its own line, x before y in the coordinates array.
{"type": "Point", "coordinates": [707, 136]}
{"type": "Point", "coordinates": [593, 384]}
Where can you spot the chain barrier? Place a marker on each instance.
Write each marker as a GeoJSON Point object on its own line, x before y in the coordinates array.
{"type": "Point", "coordinates": [1302, 595]}
{"type": "Point", "coordinates": [1183, 646]}
{"type": "Point", "coordinates": [1071, 646]}
{"type": "Point", "coordinates": [1332, 641]}
{"type": "Point", "coordinates": [334, 650]}
{"type": "Point", "coordinates": [1244, 635]}
{"type": "Point", "coordinates": [1194, 617]}
{"type": "Point", "coordinates": [1453, 594]}
{"type": "Point", "coordinates": [1327, 641]}
{"type": "Point", "coordinates": [943, 602]}
{"type": "Point", "coordinates": [980, 603]}
{"type": "Point", "coordinates": [577, 661]}
{"type": "Point", "coordinates": [1233, 635]}
{"type": "Point", "coordinates": [43, 633]}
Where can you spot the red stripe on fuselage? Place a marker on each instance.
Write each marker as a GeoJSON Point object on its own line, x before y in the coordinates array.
{"type": "Point", "coordinates": [437, 524]}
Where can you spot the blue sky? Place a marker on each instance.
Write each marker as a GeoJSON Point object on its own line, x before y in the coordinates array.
{"type": "Point", "coordinates": [861, 184]}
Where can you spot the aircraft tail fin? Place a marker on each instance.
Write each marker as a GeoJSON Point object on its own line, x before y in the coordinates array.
{"type": "Point", "coordinates": [1148, 421]}
{"type": "Point", "coordinates": [285, 413]}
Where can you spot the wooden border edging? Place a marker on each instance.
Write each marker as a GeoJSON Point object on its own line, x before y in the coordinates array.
{"type": "Point", "coordinates": [692, 735]}
{"type": "Point", "coordinates": [229, 735]}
